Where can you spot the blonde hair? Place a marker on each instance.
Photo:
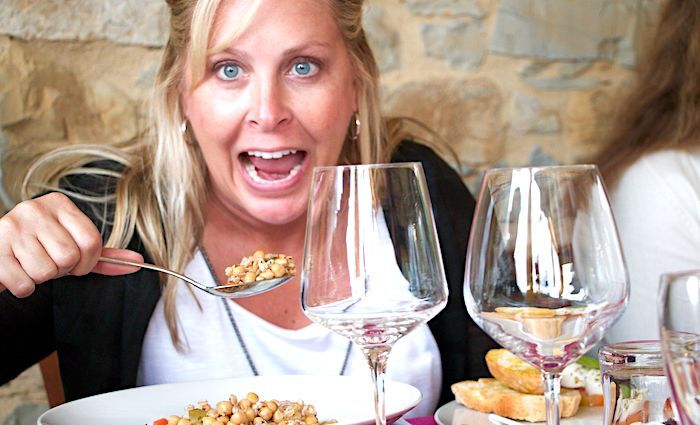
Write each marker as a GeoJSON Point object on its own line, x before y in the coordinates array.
{"type": "Point", "coordinates": [163, 201]}
{"type": "Point", "coordinates": [663, 109]}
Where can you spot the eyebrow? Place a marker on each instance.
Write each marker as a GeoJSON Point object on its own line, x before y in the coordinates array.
{"type": "Point", "coordinates": [289, 52]}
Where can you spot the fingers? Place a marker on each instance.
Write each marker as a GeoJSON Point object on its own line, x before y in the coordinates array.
{"type": "Point", "coordinates": [14, 278]}
{"type": "Point", "coordinates": [49, 237]}
{"type": "Point", "coordinates": [43, 239]}
{"type": "Point", "coordinates": [34, 259]}
{"type": "Point", "coordinates": [115, 269]}
{"type": "Point", "coordinates": [84, 243]}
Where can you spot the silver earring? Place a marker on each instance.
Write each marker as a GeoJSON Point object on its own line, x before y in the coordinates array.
{"type": "Point", "coordinates": [356, 131]}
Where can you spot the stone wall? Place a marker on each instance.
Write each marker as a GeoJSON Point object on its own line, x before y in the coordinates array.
{"type": "Point", "coordinates": [504, 81]}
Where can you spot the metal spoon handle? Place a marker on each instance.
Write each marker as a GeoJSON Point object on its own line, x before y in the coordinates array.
{"type": "Point", "coordinates": [154, 267]}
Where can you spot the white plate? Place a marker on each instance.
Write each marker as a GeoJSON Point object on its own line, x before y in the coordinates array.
{"type": "Point", "coordinates": [347, 399]}
{"type": "Point", "coordinates": [454, 413]}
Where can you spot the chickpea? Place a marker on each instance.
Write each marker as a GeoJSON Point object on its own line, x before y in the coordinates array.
{"type": "Point", "coordinates": [250, 410]}
{"type": "Point", "coordinates": [278, 270]}
{"type": "Point", "coordinates": [265, 413]}
{"type": "Point", "coordinates": [268, 274]}
{"type": "Point", "coordinates": [224, 408]}
{"type": "Point", "coordinates": [249, 277]}
{"type": "Point", "coordinates": [258, 254]}
{"type": "Point", "coordinates": [238, 418]}
{"type": "Point", "coordinates": [250, 413]}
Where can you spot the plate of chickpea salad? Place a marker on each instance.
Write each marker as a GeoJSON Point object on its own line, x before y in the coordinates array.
{"type": "Point", "coordinates": [286, 400]}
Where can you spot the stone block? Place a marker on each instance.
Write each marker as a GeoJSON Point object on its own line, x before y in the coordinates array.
{"type": "Point", "coordinates": [530, 116]}
{"type": "Point", "coordinates": [466, 113]}
{"type": "Point", "coordinates": [473, 8]}
{"type": "Point", "coordinates": [71, 93]}
{"type": "Point", "coordinates": [572, 29]}
{"type": "Point", "coordinates": [461, 44]}
{"type": "Point", "coordinates": [142, 22]}
{"type": "Point", "coordinates": [588, 119]}
{"type": "Point", "coordinates": [383, 39]}
{"type": "Point", "coordinates": [15, 68]}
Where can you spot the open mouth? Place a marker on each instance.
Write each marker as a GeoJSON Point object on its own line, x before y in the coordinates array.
{"type": "Point", "coordinates": [273, 167]}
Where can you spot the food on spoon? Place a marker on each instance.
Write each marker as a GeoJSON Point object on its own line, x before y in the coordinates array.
{"type": "Point", "coordinates": [260, 266]}
{"type": "Point", "coordinates": [488, 395]}
{"type": "Point", "coordinates": [248, 410]}
{"type": "Point", "coordinates": [584, 376]}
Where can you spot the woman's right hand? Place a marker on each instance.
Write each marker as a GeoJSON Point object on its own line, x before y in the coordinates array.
{"type": "Point", "coordinates": [49, 237]}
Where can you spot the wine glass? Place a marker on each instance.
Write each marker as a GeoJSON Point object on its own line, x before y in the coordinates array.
{"type": "Point", "coordinates": [545, 275]}
{"type": "Point", "coordinates": [679, 308]}
{"type": "Point", "coordinates": [372, 269]}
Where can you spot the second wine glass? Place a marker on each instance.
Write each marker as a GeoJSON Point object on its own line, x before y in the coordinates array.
{"type": "Point", "coordinates": [545, 273]}
{"type": "Point", "coordinates": [679, 313]}
{"type": "Point", "coordinates": [372, 268]}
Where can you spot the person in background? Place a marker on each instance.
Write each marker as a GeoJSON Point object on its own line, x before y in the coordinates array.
{"type": "Point", "coordinates": [651, 166]}
{"type": "Point", "coordinates": [249, 97]}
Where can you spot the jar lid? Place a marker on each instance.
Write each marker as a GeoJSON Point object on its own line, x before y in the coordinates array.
{"type": "Point", "coordinates": [638, 353]}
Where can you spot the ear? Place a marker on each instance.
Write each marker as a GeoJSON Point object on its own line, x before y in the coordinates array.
{"type": "Point", "coordinates": [356, 94]}
{"type": "Point", "coordinates": [184, 106]}
{"type": "Point", "coordinates": [184, 93]}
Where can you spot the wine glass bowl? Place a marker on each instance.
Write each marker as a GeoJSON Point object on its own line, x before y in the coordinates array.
{"type": "Point", "coordinates": [679, 312]}
{"type": "Point", "coordinates": [372, 269]}
{"type": "Point", "coordinates": [545, 274]}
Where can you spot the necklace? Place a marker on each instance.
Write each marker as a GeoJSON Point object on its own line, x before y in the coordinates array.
{"type": "Point", "coordinates": [237, 331]}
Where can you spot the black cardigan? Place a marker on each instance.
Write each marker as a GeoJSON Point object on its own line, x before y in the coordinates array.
{"type": "Point", "coordinates": [97, 323]}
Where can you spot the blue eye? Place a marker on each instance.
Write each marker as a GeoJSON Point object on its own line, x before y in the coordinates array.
{"type": "Point", "coordinates": [229, 72]}
{"type": "Point", "coordinates": [304, 69]}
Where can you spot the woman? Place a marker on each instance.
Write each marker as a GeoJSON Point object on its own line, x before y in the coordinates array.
{"type": "Point", "coordinates": [249, 98]}
{"type": "Point", "coordinates": [652, 165]}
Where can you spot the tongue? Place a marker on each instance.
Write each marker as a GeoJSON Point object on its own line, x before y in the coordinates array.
{"type": "Point", "coordinates": [276, 168]}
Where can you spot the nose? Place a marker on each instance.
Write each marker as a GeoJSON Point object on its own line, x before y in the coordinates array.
{"type": "Point", "coordinates": [268, 110]}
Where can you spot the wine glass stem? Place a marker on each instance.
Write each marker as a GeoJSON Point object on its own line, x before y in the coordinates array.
{"type": "Point", "coordinates": [377, 357]}
{"type": "Point", "coordinates": [551, 396]}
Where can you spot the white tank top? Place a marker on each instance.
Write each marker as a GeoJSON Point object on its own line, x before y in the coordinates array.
{"type": "Point", "coordinates": [213, 350]}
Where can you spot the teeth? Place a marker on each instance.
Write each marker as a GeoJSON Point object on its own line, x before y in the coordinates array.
{"type": "Point", "coordinates": [272, 155]}
{"type": "Point", "coordinates": [254, 174]}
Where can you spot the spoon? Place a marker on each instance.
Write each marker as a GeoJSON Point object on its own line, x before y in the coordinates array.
{"type": "Point", "coordinates": [223, 291]}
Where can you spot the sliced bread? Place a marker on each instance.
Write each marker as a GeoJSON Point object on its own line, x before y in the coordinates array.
{"type": "Point", "coordinates": [490, 396]}
{"type": "Point", "coordinates": [514, 372]}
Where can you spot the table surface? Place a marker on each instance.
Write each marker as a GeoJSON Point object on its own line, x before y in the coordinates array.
{"type": "Point", "coordinates": [425, 420]}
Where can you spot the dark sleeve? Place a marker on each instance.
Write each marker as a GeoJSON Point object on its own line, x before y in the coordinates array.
{"type": "Point", "coordinates": [27, 324]}
{"type": "Point", "coordinates": [26, 331]}
{"type": "Point", "coordinates": [462, 343]}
